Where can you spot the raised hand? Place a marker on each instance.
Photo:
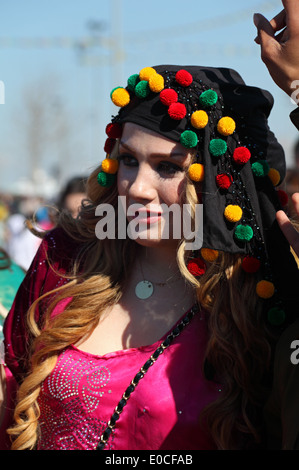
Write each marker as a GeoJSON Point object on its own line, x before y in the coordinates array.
{"type": "Point", "coordinates": [279, 41]}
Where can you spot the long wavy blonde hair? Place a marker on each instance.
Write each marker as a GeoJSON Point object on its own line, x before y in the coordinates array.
{"type": "Point", "coordinates": [237, 351]}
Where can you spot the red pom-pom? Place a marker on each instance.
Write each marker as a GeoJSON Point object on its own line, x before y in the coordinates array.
{"type": "Point", "coordinates": [283, 197]}
{"type": "Point", "coordinates": [168, 96]}
{"type": "Point", "coordinates": [196, 266]}
{"type": "Point", "coordinates": [177, 111]}
{"type": "Point", "coordinates": [109, 144]}
{"type": "Point", "coordinates": [184, 78]}
{"type": "Point", "coordinates": [250, 264]}
{"type": "Point", "coordinates": [114, 130]}
{"type": "Point", "coordinates": [224, 181]}
{"type": "Point", "coordinates": [241, 155]}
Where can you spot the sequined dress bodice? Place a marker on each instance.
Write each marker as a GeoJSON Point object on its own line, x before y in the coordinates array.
{"type": "Point", "coordinates": [79, 396]}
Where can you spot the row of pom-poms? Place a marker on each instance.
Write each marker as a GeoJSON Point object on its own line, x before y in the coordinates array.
{"type": "Point", "coordinates": [149, 80]}
{"type": "Point", "coordinates": [233, 213]}
{"type": "Point", "coordinates": [265, 289]}
{"type": "Point", "coordinates": [240, 156]}
{"type": "Point", "coordinates": [109, 166]}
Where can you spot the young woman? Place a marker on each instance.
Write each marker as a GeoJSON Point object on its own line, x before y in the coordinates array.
{"type": "Point", "coordinates": [123, 338]}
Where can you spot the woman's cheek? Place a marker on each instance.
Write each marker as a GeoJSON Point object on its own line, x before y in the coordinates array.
{"type": "Point", "coordinates": [122, 183]}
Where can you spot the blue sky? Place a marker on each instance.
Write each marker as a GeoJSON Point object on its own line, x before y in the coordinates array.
{"type": "Point", "coordinates": [69, 54]}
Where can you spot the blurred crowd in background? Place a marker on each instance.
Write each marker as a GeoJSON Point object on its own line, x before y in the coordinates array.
{"type": "Point", "coordinates": [18, 244]}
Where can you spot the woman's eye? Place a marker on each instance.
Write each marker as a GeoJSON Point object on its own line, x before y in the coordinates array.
{"type": "Point", "coordinates": [169, 168]}
{"type": "Point", "coordinates": [163, 168]}
{"type": "Point", "coordinates": [127, 160]}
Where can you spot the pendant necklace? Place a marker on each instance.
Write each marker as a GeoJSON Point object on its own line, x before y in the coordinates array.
{"type": "Point", "coordinates": [145, 289]}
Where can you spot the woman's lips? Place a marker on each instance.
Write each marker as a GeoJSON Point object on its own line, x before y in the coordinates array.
{"type": "Point", "coordinates": [147, 216]}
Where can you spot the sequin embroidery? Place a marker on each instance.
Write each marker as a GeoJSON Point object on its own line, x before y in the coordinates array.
{"type": "Point", "coordinates": [68, 398]}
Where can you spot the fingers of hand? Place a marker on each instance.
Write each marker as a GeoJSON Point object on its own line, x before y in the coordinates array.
{"type": "Point", "coordinates": [279, 26]}
{"type": "Point", "coordinates": [295, 201]}
{"type": "Point", "coordinates": [279, 21]}
{"type": "Point", "coordinates": [288, 230]}
{"type": "Point", "coordinates": [292, 16]}
{"type": "Point", "coordinates": [264, 28]}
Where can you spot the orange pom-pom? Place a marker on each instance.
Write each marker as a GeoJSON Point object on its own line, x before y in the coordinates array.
{"type": "Point", "coordinates": [156, 83]}
{"type": "Point", "coordinates": [120, 97]}
{"type": "Point", "coordinates": [209, 255]}
{"type": "Point", "coordinates": [199, 119]}
{"type": "Point", "coordinates": [274, 176]}
{"type": "Point", "coordinates": [226, 126]}
{"type": "Point", "coordinates": [110, 166]}
{"type": "Point", "coordinates": [233, 213]}
{"type": "Point", "coordinates": [146, 73]}
{"type": "Point", "coordinates": [265, 289]}
{"type": "Point", "coordinates": [196, 172]}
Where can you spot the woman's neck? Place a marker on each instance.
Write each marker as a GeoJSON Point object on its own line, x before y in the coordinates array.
{"type": "Point", "coordinates": [160, 263]}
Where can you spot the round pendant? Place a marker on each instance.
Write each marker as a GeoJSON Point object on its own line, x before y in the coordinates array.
{"type": "Point", "coordinates": [144, 289]}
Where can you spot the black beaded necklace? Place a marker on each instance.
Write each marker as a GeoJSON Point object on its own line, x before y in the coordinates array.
{"type": "Point", "coordinates": [130, 389]}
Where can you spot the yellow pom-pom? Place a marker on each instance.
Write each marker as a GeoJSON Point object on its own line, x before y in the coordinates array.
{"type": "Point", "coordinates": [209, 255]}
{"type": "Point", "coordinates": [233, 213]}
{"type": "Point", "coordinates": [110, 166]}
{"type": "Point", "coordinates": [156, 83]}
{"type": "Point", "coordinates": [274, 176]}
{"type": "Point", "coordinates": [120, 97]}
{"type": "Point", "coordinates": [196, 172]}
{"type": "Point", "coordinates": [226, 126]}
{"type": "Point", "coordinates": [199, 119]}
{"type": "Point", "coordinates": [146, 73]}
{"type": "Point", "coordinates": [265, 289]}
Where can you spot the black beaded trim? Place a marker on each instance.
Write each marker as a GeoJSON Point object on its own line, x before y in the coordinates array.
{"type": "Point", "coordinates": [130, 389]}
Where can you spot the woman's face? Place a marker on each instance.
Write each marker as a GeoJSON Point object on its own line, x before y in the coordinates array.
{"type": "Point", "coordinates": [152, 174]}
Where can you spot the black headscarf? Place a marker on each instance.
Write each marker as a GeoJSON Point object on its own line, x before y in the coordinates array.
{"type": "Point", "coordinates": [252, 189]}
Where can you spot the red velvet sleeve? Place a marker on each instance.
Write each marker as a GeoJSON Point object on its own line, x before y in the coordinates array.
{"type": "Point", "coordinates": [56, 249]}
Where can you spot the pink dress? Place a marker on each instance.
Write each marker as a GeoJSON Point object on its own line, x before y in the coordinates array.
{"type": "Point", "coordinates": [78, 398]}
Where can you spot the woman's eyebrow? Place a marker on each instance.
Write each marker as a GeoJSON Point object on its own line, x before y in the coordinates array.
{"type": "Point", "coordinates": [175, 153]}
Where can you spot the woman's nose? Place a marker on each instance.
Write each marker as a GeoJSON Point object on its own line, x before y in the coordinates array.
{"type": "Point", "coordinates": [142, 186]}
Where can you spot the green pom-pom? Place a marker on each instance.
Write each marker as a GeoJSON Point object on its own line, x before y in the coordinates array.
{"type": "Point", "coordinates": [105, 179]}
{"type": "Point", "coordinates": [208, 98]}
{"type": "Point", "coordinates": [260, 168]}
{"type": "Point", "coordinates": [189, 139]}
{"type": "Point", "coordinates": [276, 316]}
{"type": "Point", "coordinates": [217, 147]}
{"type": "Point", "coordinates": [243, 233]}
{"type": "Point", "coordinates": [132, 81]}
{"type": "Point", "coordinates": [142, 89]}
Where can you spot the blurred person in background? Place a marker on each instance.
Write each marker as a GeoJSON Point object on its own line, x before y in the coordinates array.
{"type": "Point", "coordinates": [21, 244]}
{"type": "Point", "coordinates": [72, 195]}
{"type": "Point", "coordinates": [11, 276]}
